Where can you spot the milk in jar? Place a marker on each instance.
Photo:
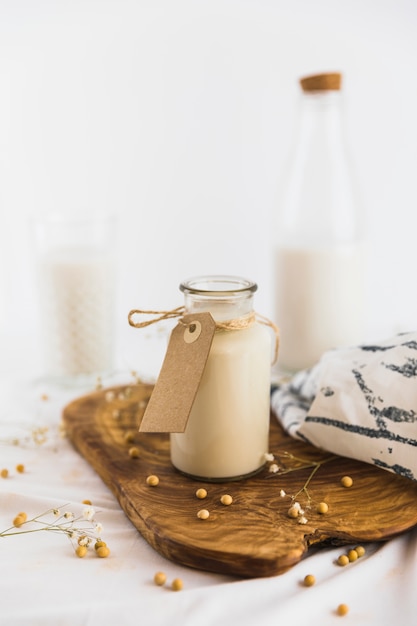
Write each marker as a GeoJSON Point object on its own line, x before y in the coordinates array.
{"type": "Point", "coordinates": [227, 433]}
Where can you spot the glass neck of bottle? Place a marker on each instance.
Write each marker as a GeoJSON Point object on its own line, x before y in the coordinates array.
{"type": "Point", "coordinates": [224, 297]}
{"type": "Point", "coordinates": [319, 207]}
{"type": "Point", "coordinates": [321, 114]}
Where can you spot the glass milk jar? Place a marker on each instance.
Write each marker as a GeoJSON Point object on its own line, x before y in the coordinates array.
{"type": "Point", "coordinates": [227, 432]}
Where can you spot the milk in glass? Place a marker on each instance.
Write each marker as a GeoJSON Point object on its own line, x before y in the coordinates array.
{"type": "Point", "coordinates": [76, 288]}
{"type": "Point", "coordinates": [76, 278]}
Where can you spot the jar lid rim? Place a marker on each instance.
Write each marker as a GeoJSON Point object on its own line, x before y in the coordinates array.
{"type": "Point", "coordinates": [217, 284]}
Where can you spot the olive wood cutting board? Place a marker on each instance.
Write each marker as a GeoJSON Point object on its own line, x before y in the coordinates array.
{"type": "Point", "coordinates": [254, 536]}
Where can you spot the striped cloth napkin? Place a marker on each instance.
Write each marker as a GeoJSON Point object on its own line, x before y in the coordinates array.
{"type": "Point", "coordinates": [358, 402]}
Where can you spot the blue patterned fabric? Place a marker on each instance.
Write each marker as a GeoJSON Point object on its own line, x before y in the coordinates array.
{"type": "Point", "coordinates": [359, 402]}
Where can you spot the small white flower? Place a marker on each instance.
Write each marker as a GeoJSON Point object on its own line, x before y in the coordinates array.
{"type": "Point", "coordinates": [110, 395]}
{"type": "Point", "coordinates": [268, 456]}
{"type": "Point", "coordinates": [56, 512]}
{"type": "Point", "coordinates": [274, 468]}
{"type": "Point", "coordinates": [68, 515]}
{"type": "Point", "coordinates": [89, 513]}
{"type": "Point", "coordinates": [98, 529]}
{"type": "Point", "coordinates": [84, 541]}
{"type": "Point", "coordinates": [302, 520]}
{"type": "Point", "coordinates": [282, 493]}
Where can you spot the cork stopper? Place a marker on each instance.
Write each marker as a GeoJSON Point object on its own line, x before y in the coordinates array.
{"type": "Point", "coordinates": [322, 82]}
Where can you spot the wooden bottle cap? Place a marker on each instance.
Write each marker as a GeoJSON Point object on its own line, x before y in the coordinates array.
{"type": "Point", "coordinates": [322, 82]}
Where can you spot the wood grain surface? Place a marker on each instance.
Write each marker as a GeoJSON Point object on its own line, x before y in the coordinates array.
{"type": "Point", "coordinates": [254, 536]}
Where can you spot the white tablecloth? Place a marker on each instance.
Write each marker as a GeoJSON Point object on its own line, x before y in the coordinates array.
{"type": "Point", "coordinates": [43, 582]}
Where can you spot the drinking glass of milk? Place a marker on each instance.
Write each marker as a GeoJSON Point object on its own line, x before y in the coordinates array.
{"type": "Point", "coordinates": [76, 282]}
{"type": "Point", "coordinates": [227, 433]}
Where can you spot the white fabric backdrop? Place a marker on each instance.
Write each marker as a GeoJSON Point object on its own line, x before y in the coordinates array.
{"type": "Point", "coordinates": [43, 583]}
{"type": "Point", "coordinates": [179, 117]}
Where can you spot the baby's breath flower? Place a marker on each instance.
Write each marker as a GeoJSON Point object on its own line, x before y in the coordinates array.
{"type": "Point", "coordinates": [269, 456]}
{"type": "Point", "coordinates": [288, 463]}
{"type": "Point", "coordinates": [110, 395]}
{"type": "Point", "coordinates": [89, 513]}
{"type": "Point", "coordinates": [282, 493]}
{"type": "Point", "coordinates": [39, 435]}
{"type": "Point", "coordinates": [83, 540]}
{"type": "Point", "coordinates": [81, 530]}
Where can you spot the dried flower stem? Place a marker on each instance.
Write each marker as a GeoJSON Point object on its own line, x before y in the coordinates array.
{"type": "Point", "coordinates": [82, 528]}
{"type": "Point", "coordinates": [302, 465]}
{"type": "Point", "coordinates": [37, 436]}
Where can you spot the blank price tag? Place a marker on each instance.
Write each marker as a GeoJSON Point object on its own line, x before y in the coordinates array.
{"type": "Point", "coordinates": [173, 395]}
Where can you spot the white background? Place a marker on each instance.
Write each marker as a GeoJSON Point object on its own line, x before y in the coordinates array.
{"type": "Point", "coordinates": [178, 116]}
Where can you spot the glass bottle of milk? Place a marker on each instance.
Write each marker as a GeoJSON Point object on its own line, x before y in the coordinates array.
{"type": "Point", "coordinates": [227, 433]}
{"type": "Point", "coordinates": [319, 249]}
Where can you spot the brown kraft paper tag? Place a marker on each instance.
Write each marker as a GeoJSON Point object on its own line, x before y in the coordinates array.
{"type": "Point", "coordinates": [173, 395]}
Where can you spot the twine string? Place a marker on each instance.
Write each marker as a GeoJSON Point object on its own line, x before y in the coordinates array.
{"type": "Point", "coordinates": [162, 315]}
{"type": "Point", "coordinates": [238, 323]}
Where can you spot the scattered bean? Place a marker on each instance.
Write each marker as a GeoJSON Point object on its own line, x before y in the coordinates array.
{"type": "Point", "coordinates": [352, 555]}
{"type": "Point", "coordinates": [134, 452]}
{"type": "Point", "coordinates": [177, 584]}
{"type": "Point", "coordinates": [81, 551]}
{"type": "Point", "coordinates": [342, 609]}
{"type": "Point", "coordinates": [309, 580]}
{"type": "Point", "coordinates": [160, 578]}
